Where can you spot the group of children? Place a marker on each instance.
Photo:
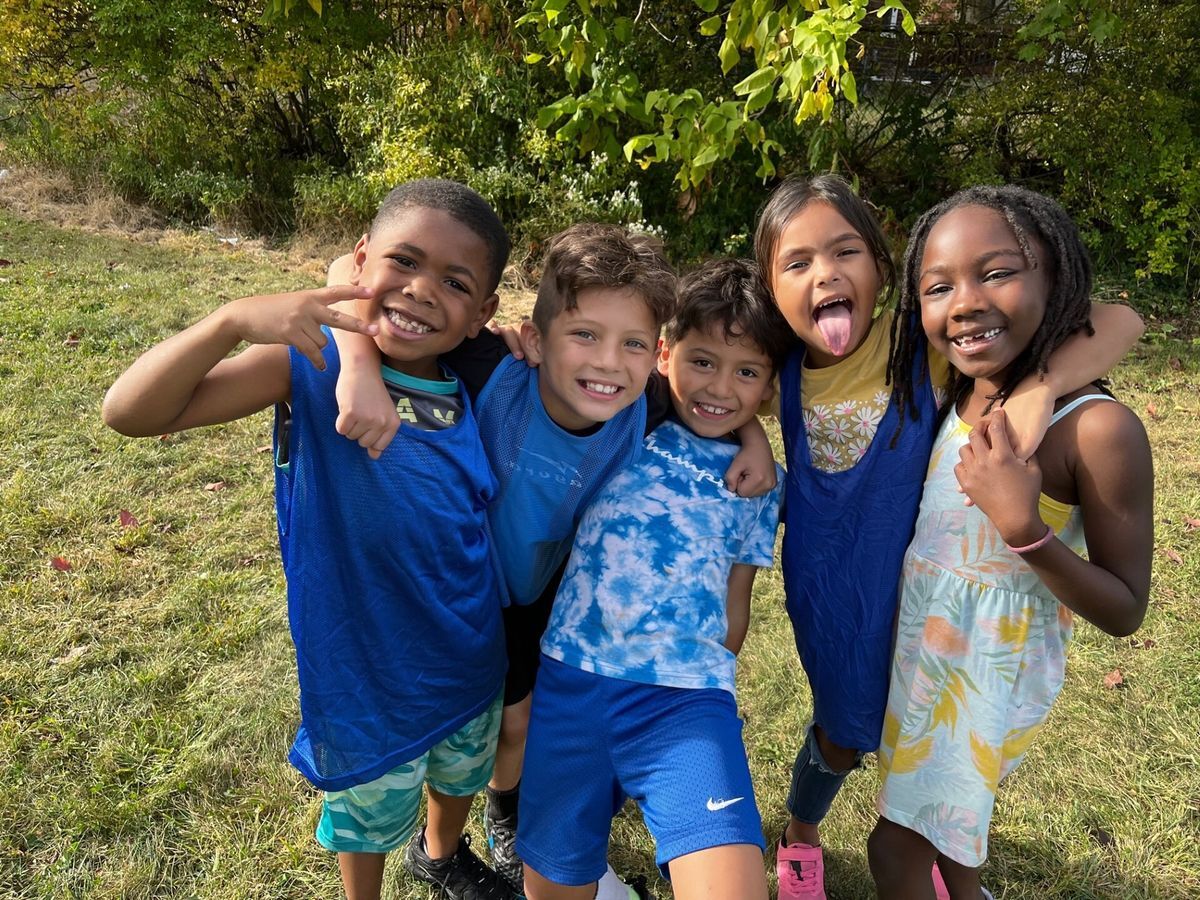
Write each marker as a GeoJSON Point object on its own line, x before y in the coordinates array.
{"type": "Point", "coordinates": [590, 521]}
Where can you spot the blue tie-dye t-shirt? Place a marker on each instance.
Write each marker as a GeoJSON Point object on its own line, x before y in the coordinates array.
{"type": "Point", "coordinates": [643, 597]}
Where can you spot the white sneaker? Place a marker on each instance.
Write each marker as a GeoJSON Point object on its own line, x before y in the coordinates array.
{"type": "Point", "coordinates": [611, 887]}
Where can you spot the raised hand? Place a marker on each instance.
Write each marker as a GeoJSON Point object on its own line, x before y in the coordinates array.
{"type": "Point", "coordinates": [296, 318]}
{"type": "Point", "coordinates": [1003, 486]}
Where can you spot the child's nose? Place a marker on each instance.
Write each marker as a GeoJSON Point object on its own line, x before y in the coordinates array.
{"type": "Point", "coordinates": [826, 270]}
{"type": "Point", "coordinates": [419, 289]}
{"type": "Point", "coordinates": [968, 301]}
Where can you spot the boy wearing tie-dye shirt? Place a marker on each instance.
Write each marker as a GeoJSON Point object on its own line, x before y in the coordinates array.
{"type": "Point", "coordinates": [636, 692]}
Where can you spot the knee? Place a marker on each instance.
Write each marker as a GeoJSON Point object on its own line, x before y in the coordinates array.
{"type": "Point", "coordinates": [514, 724]}
{"type": "Point", "coordinates": [889, 854]}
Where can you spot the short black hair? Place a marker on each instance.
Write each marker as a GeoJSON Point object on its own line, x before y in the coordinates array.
{"type": "Point", "coordinates": [732, 293]}
{"type": "Point", "coordinates": [1032, 217]}
{"type": "Point", "coordinates": [592, 254]}
{"type": "Point", "coordinates": [461, 203]}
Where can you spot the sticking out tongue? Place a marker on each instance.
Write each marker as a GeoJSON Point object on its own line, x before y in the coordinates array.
{"type": "Point", "coordinates": [834, 324]}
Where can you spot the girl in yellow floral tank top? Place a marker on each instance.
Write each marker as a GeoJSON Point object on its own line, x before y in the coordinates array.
{"type": "Point", "coordinates": [1000, 278]}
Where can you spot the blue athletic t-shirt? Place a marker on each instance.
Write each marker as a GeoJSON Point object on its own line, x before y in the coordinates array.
{"type": "Point", "coordinates": [644, 594]}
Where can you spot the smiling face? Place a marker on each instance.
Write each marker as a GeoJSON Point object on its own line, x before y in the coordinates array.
{"type": "Point", "coordinates": [825, 281]}
{"type": "Point", "coordinates": [429, 272]}
{"type": "Point", "coordinates": [594, 360]}
{"type": "Point", "coordinates": [717, 384]}
{"type": "Point", "coordinates": [982, 301]}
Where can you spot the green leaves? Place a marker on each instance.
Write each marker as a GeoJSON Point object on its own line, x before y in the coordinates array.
{"type": "Point", "coordinates": [795, 53]}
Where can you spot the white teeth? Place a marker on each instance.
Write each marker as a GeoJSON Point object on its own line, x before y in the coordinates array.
{"type": "Point", "coordinates": [398, 319]}
{"type": "Point", "coordinates": [713, 410]}
{"type": "Point", "coordinates": [972, 338]}
{"type": "Point", "coordinates": [599, 388]}
{"type": "Point", "coordinates": [832, 301]}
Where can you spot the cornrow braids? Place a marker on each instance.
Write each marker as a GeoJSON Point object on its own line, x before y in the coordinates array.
{"type": "Point", "coordinates": [1034, 219]}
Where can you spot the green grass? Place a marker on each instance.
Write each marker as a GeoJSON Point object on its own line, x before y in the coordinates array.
{"type": "Point", "coordinates": [147, 696]}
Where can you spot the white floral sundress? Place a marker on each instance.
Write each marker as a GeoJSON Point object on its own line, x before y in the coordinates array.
{"type": "Point", "coordinates": [979, 661]}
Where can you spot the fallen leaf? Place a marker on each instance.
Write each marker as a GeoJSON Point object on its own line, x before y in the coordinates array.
{"type": "Point", "coordinates": [71, 655]}
{"type": "Point", "coordinates": [5, 262]}
{"type": "Point", "coordinates": [165, 437]}
{"type": "Point", "coordinates": [1152, 410]}
{"type": "Point", "coordinates": [1114, 679]}
{"type": "Point", "coordinates": [127, 551]}
{"type": "Point", "coordinates": [1143, 644]}
{"type": "Point", "coordinates": [1190, 524]}
{"type": "Point", "coordinates": [72, 340]}
{"type": "Point", "coordinates": [1124, 295]}
{"type": "Point", "coordinates": [61, 564]}
{"type": "Point", "coordinates": [1102, 837]}
{"type": "Point", "coordinates": [164, 527]}
{"type": "Point", "coordinates": [265, 448]}
{"type": "Point", "coordinates": [1175, 363]}
{"type": "Point", "coordinates": [215, 486]}
{"type": "Point", "coordinates": [128, 519]}
{"type": "Point", "coordinates": [1173, 556]}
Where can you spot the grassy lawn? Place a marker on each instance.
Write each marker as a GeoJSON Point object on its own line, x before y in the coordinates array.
{"type": "Point", "coordinates": [147, 685]}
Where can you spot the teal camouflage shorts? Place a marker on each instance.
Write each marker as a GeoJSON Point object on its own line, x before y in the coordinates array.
{"type": "Point", "coordinates": [379, 816]}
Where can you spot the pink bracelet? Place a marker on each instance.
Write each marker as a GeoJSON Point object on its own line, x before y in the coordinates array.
{"type": "Point", "coordinates": [1036, 545]}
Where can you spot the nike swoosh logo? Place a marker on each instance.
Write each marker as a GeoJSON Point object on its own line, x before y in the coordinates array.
{"type": "Point", "coordinates": [715, 805]}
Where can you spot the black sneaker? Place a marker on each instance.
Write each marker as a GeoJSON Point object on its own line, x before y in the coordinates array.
{"type": "Point", "coordinates": [502, 839]}
{"type": "Point", "coordinates": [463, 876]}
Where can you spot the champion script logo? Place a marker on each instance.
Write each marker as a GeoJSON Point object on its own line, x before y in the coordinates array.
{"type": "Point", "coordinates": [715, 805]}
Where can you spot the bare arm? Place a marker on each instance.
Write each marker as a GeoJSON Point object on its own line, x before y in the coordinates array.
{"type": "Point", "coordinates": [1114, 478]}
{"type": "Point", "coordinates": [186, 381]}
{"type": "Point", "coordinates": [366, 413]}
{"type": "Point", "coordinates": [737, 605]}
{"type": "Point", "coordinates": [1078, 362]}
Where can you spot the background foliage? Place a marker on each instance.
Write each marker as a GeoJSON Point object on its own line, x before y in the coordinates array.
{"type": "Point", "coordinates": [679, 115]}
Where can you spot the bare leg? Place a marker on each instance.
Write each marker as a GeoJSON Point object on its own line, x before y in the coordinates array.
{"type": "Point", "coordinates": [732, 870]}
{"type": "Point", "coordinates": [836, 757]}
{"type": "Point", "coordinates": [962, 881]}
{"type": "Point", "coordinates": [901, 862]}
{"type": "Point", "coordinates": [510, 750]}
{"type": "Point", "coordinates": [362, 875]}
{"type": "Point", "coordinates": [539, 888]}
{"type": "Point", "coordinates": [447, 819]}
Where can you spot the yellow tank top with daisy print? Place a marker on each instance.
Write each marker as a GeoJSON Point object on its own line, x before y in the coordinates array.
{"type": "Point", "coordinates": [843, 404]}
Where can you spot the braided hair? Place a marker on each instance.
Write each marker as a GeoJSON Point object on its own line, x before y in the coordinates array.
{"type": "Point", "coordinates": [1033, 217]}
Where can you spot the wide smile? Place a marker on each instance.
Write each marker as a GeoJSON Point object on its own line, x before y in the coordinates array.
{"type": "Point", "coordinates": [711, 410]}
{"type": "Point", "coordinates": [833, 318]}
{"type": "Point", "coordinates": [407, 324]}
{"type": "Point", "coordinates": [975, 342]}
{"type": "Point", "coordinates": [599, 390]}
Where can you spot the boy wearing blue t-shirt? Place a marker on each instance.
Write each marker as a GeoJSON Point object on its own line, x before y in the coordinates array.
{"type": "Point", "coordinates": [635, 696]}
{"type": "Point", "coordinates": [555, 431]}
{"type": "Point", "coordinates": [398, 633]}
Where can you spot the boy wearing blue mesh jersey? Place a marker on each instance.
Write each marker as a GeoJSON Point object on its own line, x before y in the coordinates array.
{"type": "Point", "coordinates": [635, 697]}
{"type": "Point", "coordinates": [398, 634]}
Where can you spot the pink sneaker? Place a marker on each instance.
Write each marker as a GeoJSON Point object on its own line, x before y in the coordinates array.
{"type": "Point", "coordinates": [801, 871]}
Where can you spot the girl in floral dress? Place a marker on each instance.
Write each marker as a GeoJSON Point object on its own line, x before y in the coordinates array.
{"type": "Point", "coordinates": [988, 593]}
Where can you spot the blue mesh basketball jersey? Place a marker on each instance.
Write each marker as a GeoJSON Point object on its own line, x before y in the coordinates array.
{"type": "Point", "coordinates": [547, 475]}
{"type": "Point", "coordinates": [392, 592]}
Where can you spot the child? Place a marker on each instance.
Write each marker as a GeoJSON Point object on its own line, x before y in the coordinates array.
{"type": "Point", "coordinates": [554, 434]}
{"type": "Point", "coordinates": [398, 633]}
{"type": "Point", "coordinates": [854, 475]}
{"type": "Point", "coordinates": [1000, 278]}
{"type": "Point", "coordinates": [636, 692]}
